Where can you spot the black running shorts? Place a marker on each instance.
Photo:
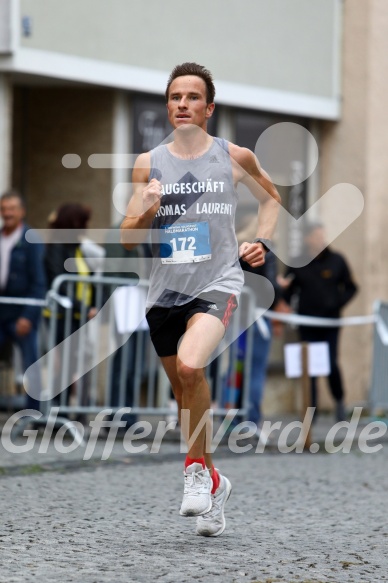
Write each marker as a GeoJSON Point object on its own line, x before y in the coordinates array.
{"type": "Point", "coordinates": [167, 325]}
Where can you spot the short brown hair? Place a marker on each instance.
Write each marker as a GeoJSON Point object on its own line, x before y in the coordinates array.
{"type": "Point", "coordinates": [198, 71]}
{"type": "Point", "coordinates": [13, 194]}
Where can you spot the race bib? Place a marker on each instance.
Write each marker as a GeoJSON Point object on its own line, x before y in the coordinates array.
{"type": "Point", "coordinates": [185, 243]}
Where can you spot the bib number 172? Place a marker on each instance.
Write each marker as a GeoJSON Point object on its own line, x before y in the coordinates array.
{"type": "Point", "coordinates": [186, 244]}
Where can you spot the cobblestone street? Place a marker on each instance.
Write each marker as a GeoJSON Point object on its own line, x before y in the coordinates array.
{"type": "Point", "coordinates": [291, 518]}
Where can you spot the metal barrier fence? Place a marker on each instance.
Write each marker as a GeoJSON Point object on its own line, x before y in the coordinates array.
{"type": "Point", "coordinates": [102, 362]}
{"type": "Point", "coordinates": [378, 396]}
{"type": "Point", "coordinates": [12, 394]}
{"type": "Point", "coordinates": [115, 367]}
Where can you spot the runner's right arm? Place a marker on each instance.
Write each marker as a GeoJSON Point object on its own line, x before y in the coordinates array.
{"type": "Point", "coordinates": [144, 203]}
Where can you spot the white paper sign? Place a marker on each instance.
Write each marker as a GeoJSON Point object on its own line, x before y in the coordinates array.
{"type": "Point", "coordinates": [318, 359]}
{"type": "Point", "coordinates": [130, 308]}
{"type": "Point", "coordinates": [293, 360]}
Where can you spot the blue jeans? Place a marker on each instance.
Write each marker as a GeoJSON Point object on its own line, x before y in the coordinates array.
{"type": "Point", "coordinates": [29, 349]}
{"type": "Point", "coordinates": [260, 353]}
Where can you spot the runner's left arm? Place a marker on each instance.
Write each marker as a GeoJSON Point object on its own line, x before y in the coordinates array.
{"type": "Point", "coordinates": [248, 171]}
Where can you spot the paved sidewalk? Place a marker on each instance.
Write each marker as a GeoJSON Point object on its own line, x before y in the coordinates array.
{"type": "Point", "coordinates": [292, 518]}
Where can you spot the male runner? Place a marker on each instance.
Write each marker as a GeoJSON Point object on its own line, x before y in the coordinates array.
{"type": "Point", "coordinates": [185, 192]}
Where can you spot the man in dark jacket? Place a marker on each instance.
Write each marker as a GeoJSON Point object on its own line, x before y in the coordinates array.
{"type": "Point", "coordinates": [21, 276]}
{"type": "Point", "coordinates": [323, 287]}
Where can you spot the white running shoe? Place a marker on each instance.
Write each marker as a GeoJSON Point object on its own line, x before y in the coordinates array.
{"type": "Point", "coordinates": [213, 523]}
{"type": "Point", "coordinates": [197, 493]}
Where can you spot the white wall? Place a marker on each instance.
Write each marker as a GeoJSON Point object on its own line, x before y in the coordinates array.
{"type": "Point", "coordinates": [277, 44]}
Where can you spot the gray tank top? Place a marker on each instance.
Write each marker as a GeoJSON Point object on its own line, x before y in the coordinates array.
{"type": "Point", "coordinates": [193, 234]}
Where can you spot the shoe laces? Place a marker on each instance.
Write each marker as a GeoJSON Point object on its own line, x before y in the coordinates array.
{"type": "Point", "coordinates": [196, 482]}
{"type": "Point", "coordinates": [215, 509]}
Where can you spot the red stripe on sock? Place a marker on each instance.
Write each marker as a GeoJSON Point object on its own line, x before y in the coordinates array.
{"type": "Point", "coordinates": [215, 479]}
{"type": "Point", "coordinates": [230, 307]}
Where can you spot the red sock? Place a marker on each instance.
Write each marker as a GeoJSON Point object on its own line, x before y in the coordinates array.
{"type": "Point", "coordinates": [216, 479]}
{"type": "Point", "coordinates": [189, 461]}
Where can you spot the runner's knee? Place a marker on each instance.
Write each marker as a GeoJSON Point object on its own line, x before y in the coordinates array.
{"type": "Point", "coordinates": [189, 376]}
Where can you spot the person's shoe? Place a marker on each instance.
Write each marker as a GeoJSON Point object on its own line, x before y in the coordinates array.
{"type": "Point", "coordinates": [213, 522]}
{"type": "Point", "coordinates": [264, 437]}
{"type": "Point", "coordinates": [340, 413]}
{"type": "Point", "coordinates": [315, 416]}
{"type": "Point", "coordinates": [197, 493]}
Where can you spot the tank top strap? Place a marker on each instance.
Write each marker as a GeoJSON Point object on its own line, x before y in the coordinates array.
{"type": "Point", "coordinates": [223, 143]}
{"type": "Point", "coordinates": [155, 172]}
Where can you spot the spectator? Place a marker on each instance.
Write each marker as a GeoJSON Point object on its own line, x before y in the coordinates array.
{"type": "Point", "coordinates": [21, 276]}
{"type": "Point", "coordinates": [74, 218]}
{"type": "Point", "coordinates": [261, 341]}
{"type": "Point", "coordinates": [115, 255]}
{"type": "Point", "coordinates": [322, 287]}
